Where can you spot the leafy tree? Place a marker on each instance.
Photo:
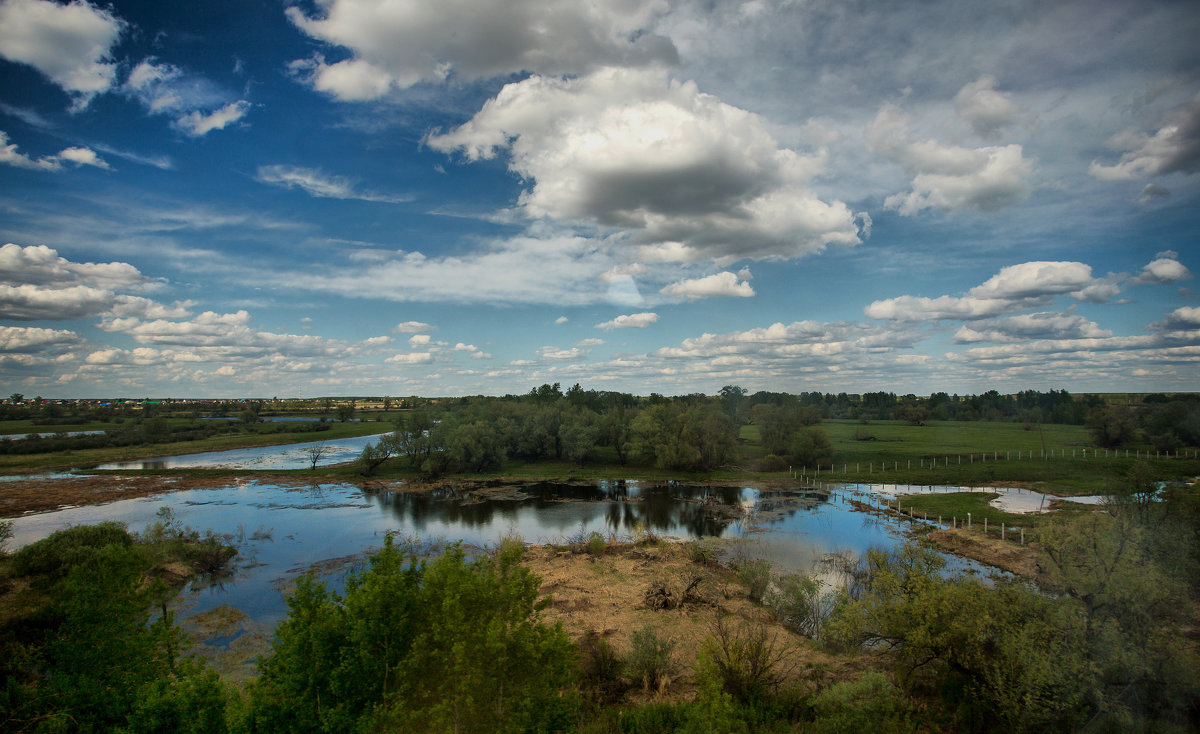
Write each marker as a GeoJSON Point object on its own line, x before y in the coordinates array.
{"type": "Point", "coordinates": [475, 447]}
{"type": "Point", "coordinates": [91, 659]}
{"type": "Point", "coordinates": [374, 454]}
{"type": "Point", "coordinates": [446, 645]}
{"type": "Point", "coordinates": [579, 436]}
{"type": "Point", "coordinates": [733, 396]}
{"type": "Point", "coordinates": [1112, 426]}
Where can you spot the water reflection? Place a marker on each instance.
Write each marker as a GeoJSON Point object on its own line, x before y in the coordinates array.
{"type": "Point", "coordinates": [288, 456]}
{"type": "Point", "coordinates": [284, 530]}
{"type": "Point", "coordinates": [556, 510]}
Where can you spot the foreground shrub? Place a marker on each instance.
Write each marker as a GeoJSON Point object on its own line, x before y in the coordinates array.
{"type": "Point", "coordinates": [649, 661]}
{"type": "Point", "coordinates": [745, 658]}
{"type": "Point", "coordinates": [756, 575]}
{"type": "Point", "coordinates": [596, 544]}
{"type": "Point", "coordinates": [446, 645]}
{"type": "Point", "coordinates": [56, 555]}
{"type": "Point", "coordinates": [870, 703]}
{"type": "Point", "coordinates": [799, 603]}
{"type": "Point", "coordinates": [602, 669]}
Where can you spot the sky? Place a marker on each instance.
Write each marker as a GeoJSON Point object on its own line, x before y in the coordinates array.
{"type": "Point", "coordinates": [264, 198]}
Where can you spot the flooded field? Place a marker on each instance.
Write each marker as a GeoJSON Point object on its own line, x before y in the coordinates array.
{"type": "Point", "coordinates": [284, 530]}
{"type": "Point", "coordinates": [291, 456]}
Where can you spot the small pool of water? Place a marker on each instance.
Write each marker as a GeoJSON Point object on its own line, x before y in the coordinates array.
{"type": "Point", "coordinates": [288, 456]}
{"type": "Point", "coordinates": [48, 434]}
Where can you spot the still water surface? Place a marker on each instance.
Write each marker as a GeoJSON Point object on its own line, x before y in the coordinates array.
{"type": "Point", "coordinates": [291, 456]}
{"type": "Point", "coordinates": [283, 530]}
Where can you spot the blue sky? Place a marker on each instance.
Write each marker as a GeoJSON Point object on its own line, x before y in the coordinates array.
{"type": "Point", "coordinates": [446, 197]}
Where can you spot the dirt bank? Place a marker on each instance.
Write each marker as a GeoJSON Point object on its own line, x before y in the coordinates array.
{"type": "Point", "coordinates": [1022, 560]}
{"type": "Point", "coordinates": [609, 594]}
{"type": "Point", "coordinates": [24, 496]}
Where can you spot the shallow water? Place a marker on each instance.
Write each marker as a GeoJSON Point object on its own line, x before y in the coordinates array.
{"type": "Point", "coordinates": [48, 434]}
{"type": "Point", "coordinates": [289, 456]}
{"type": "Point", "coordinates": [281, 531]}
{"type": "Point", "coordinates": [1012, 499]}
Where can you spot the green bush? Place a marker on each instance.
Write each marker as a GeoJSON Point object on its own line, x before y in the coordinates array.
{"type": "Point", "coordinates": [596, 543]}
{"type": "Point", "coordinates": [602, 670]}
{"type": "Point", "coordinates": [870, 703]}
{"type": "Point", "coordinates": [746, 659]}
{"type": "Point", "coordinates": [772, 463]}
{"type": "Point", "coordinates": [649, 662]}
{"type": "Point", "coordinates": [56, 555]}
{"type": "Point", "coordinates": [756, 575]}
{"type": "Point", "coordinates": [448, 644]}
{"type": "Point", "coordinates": [799, 603]}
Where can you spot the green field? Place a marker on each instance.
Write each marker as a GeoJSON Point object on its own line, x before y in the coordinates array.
{"type": "Point", "coordinates": [1054, 458]}
{"type": "Point", "coordinates": [977, 454]}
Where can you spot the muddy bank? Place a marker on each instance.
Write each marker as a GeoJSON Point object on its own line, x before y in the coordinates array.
{"type": "Point", "coordinates": [45, 494]}
{"type": "Point", "coordinates": [1022, 560]}
{"type": "Point", "coordinates": [612, 594]}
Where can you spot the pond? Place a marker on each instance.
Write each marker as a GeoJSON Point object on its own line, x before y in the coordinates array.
{"type": "Point", "coordinates": [283, 530]}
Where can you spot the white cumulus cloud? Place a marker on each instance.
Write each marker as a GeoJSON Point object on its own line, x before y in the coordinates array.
{"type": "Point", "coordinates": [27, 339]}
{"type": "Point", "coordinates": [1015, 288]}
{"type": "Point", "coordinates": [395, 44]}
{"type": "Point", "coordinates": [1164, 269]}
{"type": "Point", "coordinates": [681, 170]}
{"type": "Point", "coordinates": [71, 43]}
{"type": "Point", "coordinates": [414, 327]}
{"type": "Point", "coordinates": [719, 285]}
{"type": "Point", "coordinates": [985, 109]}
{"type": "Point", "coordinates": [949, 177]}
{"type": "Point", "coordinates": [9, 155]}
{"type": "Point", "coordinates": [629, 321]}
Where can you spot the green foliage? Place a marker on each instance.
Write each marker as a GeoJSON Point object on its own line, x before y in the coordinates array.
{"type": "Point", "coordinates": [869, 703]}
{"type": "Point", "coordinates": [684, 436]}
{"type": "Point", "coordinates": [596, 543]}
{"type": "Point", "coordinates": [745, 658]}
{"type": "Point", "coordinates": [448, 644]}
{"type": "Point", "coordinates": [90, 659]}
{"type": "Point", "coordinates": [1112, 426]}
{"type": "Point", "coordinates": [649, 662]}
{"type": "Point", "coordinates": [54, 556]}
{"type": "Point", "coordinates": [756, 575]}
{"type": "Point", "coordinates": [601, 669]}
{"type": "Point", "coordinates": [772, 463]}
{"type": "Point", "coordinates": [800, 602]}
{"type": "Point", "coordinates": [1099, 650]}
{"type": "Point", "coordinates": [193, 700]}
{"type": "Point", "coordinates": [809, 447]}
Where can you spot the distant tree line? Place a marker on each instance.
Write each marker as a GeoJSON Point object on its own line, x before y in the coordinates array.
{"type": "Point", "coordinates": [697, 432]}
{"type": "Point", "coordinates": [146, 431]}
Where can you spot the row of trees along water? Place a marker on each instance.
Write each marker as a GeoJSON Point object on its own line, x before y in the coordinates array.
{"type": "Point", "coordinates": [700, 433]}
